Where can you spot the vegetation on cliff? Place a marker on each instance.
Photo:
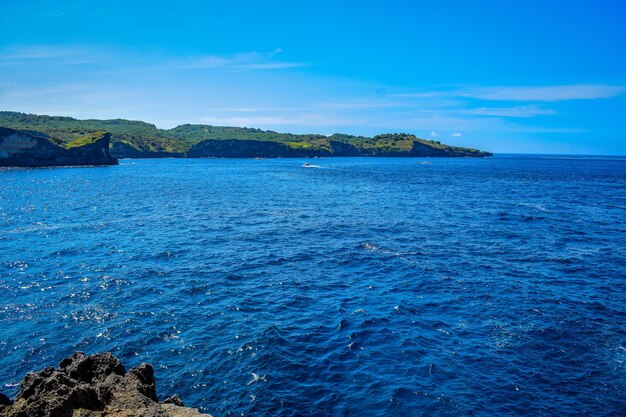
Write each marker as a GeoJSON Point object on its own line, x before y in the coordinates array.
{"type": "Point", "coordinates": [139, 139]}
{"type": "Point", "coordinates": [88, 139]}
{"type": "Point", "coordinates": [27, 148]}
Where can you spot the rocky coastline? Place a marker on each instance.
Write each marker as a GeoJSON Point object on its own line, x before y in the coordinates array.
{"type": "Point", "coordinates": [92, 386]}
{"type": "Point", "coordinates": [22, 148]}
{"type": "Point", "coordinates": [137, 139]}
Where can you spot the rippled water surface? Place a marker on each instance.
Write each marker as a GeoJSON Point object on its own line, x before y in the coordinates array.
{"type": "Point", "coordinates": [366, 286]}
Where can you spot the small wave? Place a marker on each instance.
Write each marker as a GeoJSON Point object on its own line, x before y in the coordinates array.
{"type": "Point", "coordinates": [96, 314]}
{"type": "Point", "coordinates": [257, 378]}
{"type": "Point", "coordinates": [536, 206]}
{"type": "Point", "coordinates": [375, 248]}
{"type": "Point", "coordinates": [371, 247]}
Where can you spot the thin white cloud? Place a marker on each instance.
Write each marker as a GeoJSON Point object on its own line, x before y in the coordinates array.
{"type": "Point", "coordinates": [426, 94]}
{"type": "Point", "coordinates": [355, 105]}
{"type": "Point", "coordinates": [545, 93]}
{"type": "Point", "coordinates": [517, 111]}
{"type": "Point", "coordinates": [257, 110]}
{"type": "Point", "coordinates": [309, 120]}
{"type": "Point", "coordinates": [51, 55]}
{"type": "Point", "coordinates": [248, 60]}
{"type": "Point", "coordinates": [61, 90]}
{"type": "Point", "coordinates": [312, 120]}
{"type": "Point", "coordinates": [551, 93]}
{"type": "Point", "coordinates": [36, 52]}
{"type": "Point", "coordinates": [123, 61]}
{"type": "Point", "coordinates": [271, 65]}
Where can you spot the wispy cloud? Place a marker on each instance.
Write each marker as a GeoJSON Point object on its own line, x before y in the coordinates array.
{"type": "Point", "coordinates": [122, 61]}
{"type": "Point", "coordinates": [240, 89]}
{"type": "Point", "coordinates": [356, 105]}
{"type": "Point", "coordinates": [434, 123]}
{"type": "Point", "coordinates": [516, 111]}
{"type": "Point", "coordinates": [68, 92]}
{"type": "Point", "coordinates": [551, 93]}
{"type": "Point", "coordinates": [50, 55]}
{"type": "Point", "coordinates": [257, 110]}
{"type": "Point", "coordinates": [248, 60]}
{"type": "Point", "coordinates": [35, 52]}
{"type": "Point", "coordinates": [271, 65]}
{"type": "Point", "coordinates": [305, 120]}
{"type": "Point", "coordinates": [546, 93]}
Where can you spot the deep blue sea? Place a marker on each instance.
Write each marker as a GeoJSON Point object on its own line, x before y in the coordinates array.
{"type": "Point", "coordinates": [359, 286]}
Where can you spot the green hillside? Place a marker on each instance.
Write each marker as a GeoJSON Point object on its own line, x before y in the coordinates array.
{"type": "Point", "coordinates": [131, 138]}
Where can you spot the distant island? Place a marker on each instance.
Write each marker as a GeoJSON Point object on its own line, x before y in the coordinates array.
{"type": "Point", "coordinates": [58, 140]}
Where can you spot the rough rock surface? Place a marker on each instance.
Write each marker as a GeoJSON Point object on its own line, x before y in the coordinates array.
{"type": "Point", "coordinates": [21, 148]}
{"type": "Point", "coordinates": [239, 148]}
{"type": "Point", "coordinates": [92, 386]}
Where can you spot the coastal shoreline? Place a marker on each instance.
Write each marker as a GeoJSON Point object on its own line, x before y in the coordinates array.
{"type": "Point", "coordinates": [136, 139]}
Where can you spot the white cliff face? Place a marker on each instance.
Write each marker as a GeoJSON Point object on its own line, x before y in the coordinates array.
{"type": "Point", "coordinates": [16, 143]}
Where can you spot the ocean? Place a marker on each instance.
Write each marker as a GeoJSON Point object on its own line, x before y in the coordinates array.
{"type": "Point", "coordinates": [355, 286]}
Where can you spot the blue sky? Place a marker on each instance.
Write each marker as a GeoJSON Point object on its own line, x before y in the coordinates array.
{"type": "Point", "coordinates": [533, 76]}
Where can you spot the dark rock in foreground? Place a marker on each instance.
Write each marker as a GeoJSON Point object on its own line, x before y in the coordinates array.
{"type": "Point", "coordinates": [21, 148]}
{"type": "Point", "coordinates": [92, 386]}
